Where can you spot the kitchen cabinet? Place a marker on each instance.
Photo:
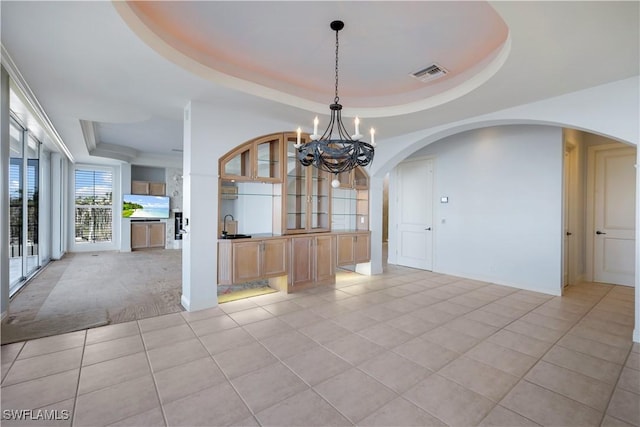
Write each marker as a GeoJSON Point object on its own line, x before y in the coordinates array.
{"type": "Point", "coordinates": [306, 198]}
{"type": "Point", "coordinates": [353, 248]}
{"type": "Point", "coordinates": [150, 188]}
{"type": "Point", "coordinates": [145, 235]}
{"type": "Point", "coordinates": [312, 261]}
{"type": "Point", "coordinates": [258, 160]}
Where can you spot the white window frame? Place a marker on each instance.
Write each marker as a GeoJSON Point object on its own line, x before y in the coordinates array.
{"type": "Point", "coordinates": [115, 223]}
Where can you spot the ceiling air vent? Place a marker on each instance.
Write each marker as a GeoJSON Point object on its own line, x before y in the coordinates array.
{"type": "Point", "coordinates": [430, 73]}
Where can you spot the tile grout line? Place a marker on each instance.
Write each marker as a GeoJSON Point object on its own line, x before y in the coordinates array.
{"type": "Point", "coordinates": [522, 378]}
{"type": "Point", "coordinates": [153, 377]}
{"type": "Point", "coordinates": [12, 363]}
{"type": "Point", "coordinates": [497, 403]}
{"type": "Point", "coordinates": [606, 408]}
{"type": "Point", "coordinates": [310, 387]}
{"type": "Point", "coordinates": [75, 399]}
{"type": "Point", "coordinates": [226, 377]}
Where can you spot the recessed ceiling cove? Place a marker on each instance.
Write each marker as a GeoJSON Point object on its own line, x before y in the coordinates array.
{"type": "Point", "coordinates": [285, 51]}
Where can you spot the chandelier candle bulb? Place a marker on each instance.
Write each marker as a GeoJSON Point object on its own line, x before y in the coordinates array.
{"type": "Point", "coordinates": [373, 140]}
{"type": "Point", "coordinates": [335, 183]}
{"type": "Point", "coordinates": [357, 136]}
{"type": "Point", "coordinates": [315, 128]}
{"type": "Point", "coordinates": [298, 144]}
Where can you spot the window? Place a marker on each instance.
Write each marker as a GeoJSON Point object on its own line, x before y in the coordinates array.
{"type": "Point", "coordinates": [24, 205]}
{"type": "Point", "coordinates": [93, 205]}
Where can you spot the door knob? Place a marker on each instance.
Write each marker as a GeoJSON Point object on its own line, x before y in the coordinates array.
{"type": "Point", "coordinates": [428, 228]}
{"type": "Point", "coordinates": [569, 233]}
{"type": "Point", "coordinates": [600, 232]}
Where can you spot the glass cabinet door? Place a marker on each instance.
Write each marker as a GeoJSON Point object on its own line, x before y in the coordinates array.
{"type": "Point", "coordinates": [238, 166]}
{"type": "Point", "coordinates": [320, 198]}
{"type": "Point", "coordinates": [268, 159]}
{"type": "Point", "coordinates": [360, 179]}
{"type": "Point", "coordinates": [296, 191]}
{"type": "Point", "coordinates": [345, 179]}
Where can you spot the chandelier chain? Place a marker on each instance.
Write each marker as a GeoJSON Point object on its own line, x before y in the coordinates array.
{"type": "Point", "coordinates": [336, 99]}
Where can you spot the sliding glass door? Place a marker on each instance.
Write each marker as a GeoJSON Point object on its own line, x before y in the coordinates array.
{"type": "Point", "coordinates": [24, 194]}
{"type": "Point", "coordinates": [16, 181]}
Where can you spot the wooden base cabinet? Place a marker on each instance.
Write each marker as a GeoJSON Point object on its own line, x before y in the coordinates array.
{"type": "Point", "coordinates": [246, 261]}
{"type": "Point", "coordinates": [353, 248]}
{"type": "Point", "coordinates": [312, 261]}
{"type": "Point", "coordinates": [145, 235]}
{"type": "Point", "coordinates": [291, 262]}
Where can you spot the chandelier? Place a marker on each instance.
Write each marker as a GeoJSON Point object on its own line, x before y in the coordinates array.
{"type": "Point", "coordinates": [335, 151]}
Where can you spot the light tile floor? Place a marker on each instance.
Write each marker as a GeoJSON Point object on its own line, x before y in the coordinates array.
{"type": "Point", "coordinates": [407, 348]}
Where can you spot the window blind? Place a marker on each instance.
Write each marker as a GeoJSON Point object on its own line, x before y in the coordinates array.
{"type": "Point", "coordinates": [93, 205]}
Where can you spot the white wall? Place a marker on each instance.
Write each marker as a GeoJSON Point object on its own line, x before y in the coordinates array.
{"type": "Point", "coordinates": [44, 212]}
{"type": "Point", "coordinates": [59, 208]}
{"type": "Point", "coordinates": [574, 141]}
{"type": "Point", "coordinates": [503, 222]}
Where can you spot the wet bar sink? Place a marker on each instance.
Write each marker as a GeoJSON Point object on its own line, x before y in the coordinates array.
{"type": "Point", "coordinates": [235, 236]}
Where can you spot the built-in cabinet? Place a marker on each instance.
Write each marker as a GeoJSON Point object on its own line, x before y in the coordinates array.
{"type": "Point", "coordinates": [150, 188]}
{"type": "Point", "coordinates": [307, 199]}
{"type": "Point", "coordinates": [350, 201]}
{"type": "Point", "coordinates": [263, 189]}
{"type": "Point", "coordinates": [353, 248]}
{"type": "Point", "coordinates": [312, 261]}
{"type": "Point", "coordinates": [260, 160]}
{"type": "Point", "coordinates": [146, 235]}
{"type": "Point", "coordinates": [251, 260]}
{"type": "Point", "coordinates": [300, 260]}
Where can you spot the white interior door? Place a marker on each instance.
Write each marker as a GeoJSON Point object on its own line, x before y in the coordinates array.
{"type": "Point", "coordinates": [614, 216]}
{"type": "Point", "coordinates": [570, 254]}
{"type": "Point", "coordinates": [567, 227]}
{"type": "Point", "coordinates": [415, 214]}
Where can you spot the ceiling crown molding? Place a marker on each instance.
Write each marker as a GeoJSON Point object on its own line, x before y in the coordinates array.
{"type": "Point", "coordinates": [89, 134]}
{"type": "Point", "coordinates": [33, 103]}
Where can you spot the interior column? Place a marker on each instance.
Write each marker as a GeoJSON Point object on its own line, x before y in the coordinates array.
{"type": "Point", "coordinates": [636, 330]}
{"type": "Point", "coordinates": [376, 193]}
{"type": "Point", "coordinates": [200, 211]}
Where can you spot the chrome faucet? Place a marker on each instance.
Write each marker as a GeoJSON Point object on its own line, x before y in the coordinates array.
{"type": "Point", "coordinates": [224, 221]}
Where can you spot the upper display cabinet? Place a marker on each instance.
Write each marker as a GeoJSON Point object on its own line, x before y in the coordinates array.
{"type": "Point", "coordinates": [264, 188]}
{"type": "Point", "coordinates": [258, 160]}
{"type": "Point", "coordinates": [307, 194]}
{"type": "Point", "coordinates": [356, 179]}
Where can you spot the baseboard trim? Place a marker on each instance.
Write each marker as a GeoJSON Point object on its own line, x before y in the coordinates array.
{"type": "Point", "coordinates": [185, 302]}
{"type": "Point", "coordinates": [636, 334]}
{"type": "Point", "coordinates": [4, 315]}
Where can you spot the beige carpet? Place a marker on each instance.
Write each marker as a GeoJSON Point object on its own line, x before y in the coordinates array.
{"type": "Point", "coordinates": [32, 329]}
{"type": "Point", "coordinates": [85, 290]}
